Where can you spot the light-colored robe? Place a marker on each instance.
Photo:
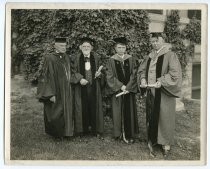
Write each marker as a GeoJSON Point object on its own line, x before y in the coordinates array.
{"type": "Point", "coordinates": [171, 80]}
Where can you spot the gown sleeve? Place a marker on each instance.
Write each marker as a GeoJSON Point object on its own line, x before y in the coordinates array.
{"type": "Point", "coordinates": [172, 80]}
{"type": "Point", "coordinates": [46, 85]}
{"type": "Point", "coordinates": [113, 83]}
{"type": "Point", "coordinates": [132, 84]}
{"type": "Point", "coordinates": [101, 78]}
{"type": "Point", "coordinates": [141, 74]}
{"type": "Point", "coordinates": [76, 76]}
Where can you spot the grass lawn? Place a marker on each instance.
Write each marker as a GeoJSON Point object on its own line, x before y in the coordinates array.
{"type": "Point", "coordinates": [29, 141]}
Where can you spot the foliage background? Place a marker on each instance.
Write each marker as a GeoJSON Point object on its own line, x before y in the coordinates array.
{"type": "Point", "coordinates": [33, 33]}
{"type": "Point", "coordinates": [36, 30]}
{"type": "Point", "coordinates": [175, 36]}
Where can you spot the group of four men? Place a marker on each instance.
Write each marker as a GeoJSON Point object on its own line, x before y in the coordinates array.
{"type": "Point", "coordinates": [71, 89]}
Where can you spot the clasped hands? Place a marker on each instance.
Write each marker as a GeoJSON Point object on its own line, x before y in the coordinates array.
{"type": "Point", "coordinates": [144, 84]}
{"type": "Point", "coordinates": [97, 74]}
{"type": "Point", "coordinates": [84, 82]}
{"type": "Point", "coordinates": [123, 88]}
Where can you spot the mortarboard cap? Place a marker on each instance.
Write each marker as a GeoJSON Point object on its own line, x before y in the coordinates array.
{"type": "Point", "coordinates": [157, 34]}
{"type": "Point", "coordinates": [60, 40]}
{"type": "Point", "coordinates": [120, 40]}
{"type": "Point", "coordinates": [86, 39]}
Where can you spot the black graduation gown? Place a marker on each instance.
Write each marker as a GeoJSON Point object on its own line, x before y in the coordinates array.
{"type": "Point", "coordinates": [87, 111]}
{"type": "Point", "coordinates": [124, 110]}
{"type": "Point", "coordinates": [55, 81]}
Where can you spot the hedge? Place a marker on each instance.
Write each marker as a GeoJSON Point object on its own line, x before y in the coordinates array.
{"type": "Point", "coordinates": [37, 29]}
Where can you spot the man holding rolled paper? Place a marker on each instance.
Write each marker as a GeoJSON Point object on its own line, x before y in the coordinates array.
{"type": "Point", "coordinates": [161, 74]}
{"type": "Point", "coordinates": [87, 79]}
{"type": "Point", "coordinates": [122, 82]}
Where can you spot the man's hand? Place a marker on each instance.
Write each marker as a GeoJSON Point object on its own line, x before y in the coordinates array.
{"type": "Point", "coordinates": [83, 82]}
{"type": "Point", "coordinates": [126, 92]}
{"type": "Point", "coordinates": [143, 83]}
{"type": "Point", "coordinates": [123, 88]}
{"type": "Point", "coordinates": [53, 99]}
{"type": "Point", "coordinates": [97, 74]}
{"type": "Point", "coordinates": [158, 84]}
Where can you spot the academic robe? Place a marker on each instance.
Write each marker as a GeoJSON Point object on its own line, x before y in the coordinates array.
{"type": "Point", "coordinates": [55, 81]}
{"type": "Point", "coordinates": [87, 111]}
{"type": "Point", "coordinates": [123, 72]}
{"type": "Point", "coordinates": [160, 103]}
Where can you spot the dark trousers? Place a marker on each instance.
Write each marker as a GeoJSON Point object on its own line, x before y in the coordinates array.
{"type": "Point", "coordinates": [90, 116]}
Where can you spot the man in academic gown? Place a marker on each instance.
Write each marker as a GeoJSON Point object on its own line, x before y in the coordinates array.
{"type": "Point", "coordinates": [54, 90]}
{"type": "Point", "coordinates": [161, 68]}
{"type": "Point", "coordinates": [87, 82]}
{"type": "Point", "coordinates": [121, 77]}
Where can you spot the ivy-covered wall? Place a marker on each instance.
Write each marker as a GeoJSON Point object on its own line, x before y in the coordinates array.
{"type": "Point", "coordinates": [36, 30]}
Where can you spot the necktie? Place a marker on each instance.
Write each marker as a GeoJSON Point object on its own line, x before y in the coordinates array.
{"type": "Point", "coordinates": [87, 59]}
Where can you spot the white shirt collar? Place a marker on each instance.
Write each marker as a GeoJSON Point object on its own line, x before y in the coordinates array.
{"type": "Point", "coordinates": [59, 54]}
{"type": "Point", "coordinates": [121, 56]}
{"type": "Point", "coordinates": [87, 56]}
{"type": "Point", "coordinates": [160, 49]}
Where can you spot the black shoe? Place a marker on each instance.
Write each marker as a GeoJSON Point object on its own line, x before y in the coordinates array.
{"type": "Point", "coordinates": [131, 141]}
{"type": "Point", "coordinates": [69, 138]}
{"type": "Point", "coordinates": [58, 139]}
{"type": "Point", "coordinates": [117, 138]}
{"type": "Point", "coordinates": [99, 136]}
{"type": "Point", "coordinates": [78, 134]}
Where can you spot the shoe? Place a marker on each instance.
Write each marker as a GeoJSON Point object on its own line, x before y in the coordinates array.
{"type": "Point", "coordinates": [78, 134]}
{"type": "Point", "coordinates": [68, 138]}
{"type": "Point", "coordinates": [58, 139]}
{"type": "Point", "coordinates": [131, 141]}
{"type": "Point", "coordinates": [117, 138]}
{"type": "Point", "coordinates": [166, 153]}
{"type": "Point", "coordinates": [166, 150]}
{"type": "Point", "coordinates": [100, 136]}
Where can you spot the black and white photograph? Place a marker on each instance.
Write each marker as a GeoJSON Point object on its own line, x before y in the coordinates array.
{"type": "Point", "coordinates": [105, 84]}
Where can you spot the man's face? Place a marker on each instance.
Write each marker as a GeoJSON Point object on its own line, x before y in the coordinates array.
{"type": "Point", "coordinates": [60, 47]}
{"type": "Point", "coordinates": [120, 49]}
{"type": "Point", "coordinates": [156, 42]}
{"type": "Point", "coordinates": [86, 48]}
